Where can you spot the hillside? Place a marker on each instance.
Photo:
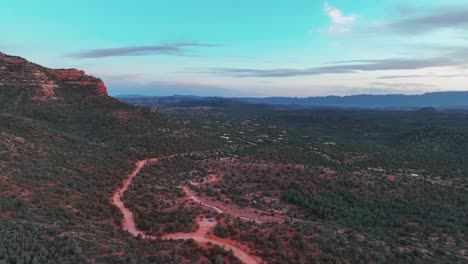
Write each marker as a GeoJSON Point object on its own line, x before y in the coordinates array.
{"type": "Point", "coordinates": [65, 146]}
{"type": "Point", "coordinates": [85, 178]}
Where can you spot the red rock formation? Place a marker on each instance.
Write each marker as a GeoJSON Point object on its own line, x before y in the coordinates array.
{"type": "Point", "coordinates": [41, 83]}
{"type": "Point", "coordinates": [74, 77]}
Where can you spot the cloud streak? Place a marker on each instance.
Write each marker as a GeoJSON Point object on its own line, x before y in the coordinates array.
{"type": "Point", "coordinates": [353, 66]}
{"type": "Point", "coordinates": [178, 48]}
{"type": "Point", "coordinates": [401, 76]}
{"type": "Point", "coordinates": [422, 76]}
{"type": "Point", "coordinates": [432, 19]}
{"type": "Point", "coordinates": [401, 85]}
{"type": "Point", "coordinates": [386, 89]}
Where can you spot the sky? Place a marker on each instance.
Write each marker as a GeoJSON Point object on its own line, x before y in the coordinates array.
{"type": "Point", "coordinates": [247, 47]}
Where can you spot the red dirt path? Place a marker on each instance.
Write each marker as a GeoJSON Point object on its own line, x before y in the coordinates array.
{"type": "Point", "coordinates": [200, 236]}
{"type": "Point", "coordinates": [247, 214]}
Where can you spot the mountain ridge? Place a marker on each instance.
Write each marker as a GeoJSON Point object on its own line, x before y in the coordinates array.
{"type": "Point", "coordinates": [450, 99]}
{"type": "Point", "coordinates": [434, 99]}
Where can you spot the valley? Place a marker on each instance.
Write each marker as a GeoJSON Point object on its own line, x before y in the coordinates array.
{"type": "Point", "coordinates": [85, 178]}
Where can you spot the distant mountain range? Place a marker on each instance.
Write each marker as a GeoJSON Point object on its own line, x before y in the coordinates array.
{"type": "Point", "coordinates": [437, 100]}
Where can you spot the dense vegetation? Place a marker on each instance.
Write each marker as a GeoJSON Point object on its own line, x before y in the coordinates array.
{"type": "Point", "coordinates": [157, 200]}
{"type": "Point", "coordinates": [354, 186]}
{"type": "Point", "coordinates": [393, 183]}
{"type": "Point", "coordinates": [60, 161]}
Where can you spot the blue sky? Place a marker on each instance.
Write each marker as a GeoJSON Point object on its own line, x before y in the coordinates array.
{"type": "Point", "coordinates": [247, 48]}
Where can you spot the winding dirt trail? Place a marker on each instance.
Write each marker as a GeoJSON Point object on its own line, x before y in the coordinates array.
{"type": "Point", "coordinates": [202, 235]}
{"type": "Point", "coordinates": [192, 196]}
{"type": "Point", "coordinates": [243, 214]}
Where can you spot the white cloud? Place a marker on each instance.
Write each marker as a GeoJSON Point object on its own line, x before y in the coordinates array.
{"type": "Point", "coordinates": [337, 15]}
{"type": "Point", "coordinates": [340, 23]}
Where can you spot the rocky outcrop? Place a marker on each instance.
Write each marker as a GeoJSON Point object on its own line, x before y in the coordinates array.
{"type": "Point", "coordinates": [78, 78]}
{"type": "Point", "coordinates": [40, 83]}
{"type": "Point", "coordinates": [23, 76]}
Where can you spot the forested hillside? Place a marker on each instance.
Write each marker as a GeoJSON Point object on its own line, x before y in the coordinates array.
{"type": "Point", "coordinates": [277, 185]}
{"type": "Point", "coordinates": [64, 148]}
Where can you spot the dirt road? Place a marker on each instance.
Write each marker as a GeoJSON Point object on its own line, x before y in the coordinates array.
{"type": "Point", "coordinates": [192, 196]}
{"type": "Point", "coordinates": [200, 236]}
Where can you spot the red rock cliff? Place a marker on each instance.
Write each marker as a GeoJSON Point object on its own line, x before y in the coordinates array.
{"type": "Point", "coordinates": [41, 83]}
{"type": "Point", "coordinates": [78, 78]}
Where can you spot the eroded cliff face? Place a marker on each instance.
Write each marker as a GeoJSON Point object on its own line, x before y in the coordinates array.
{"type": "Point", "coordinates": [35, 82]}
{"type": "Point", "coordinates": [77, 78]}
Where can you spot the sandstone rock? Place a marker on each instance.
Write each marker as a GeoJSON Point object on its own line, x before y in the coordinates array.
{"type": "Point", "coordinates": [41, 83]}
